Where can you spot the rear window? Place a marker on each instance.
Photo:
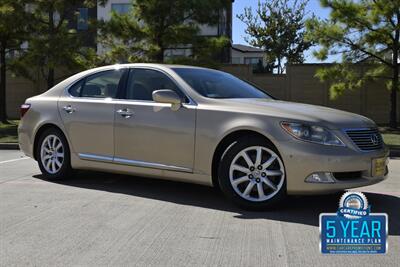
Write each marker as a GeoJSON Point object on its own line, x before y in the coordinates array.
{"type": "Point", "coordinates": [99, 85]}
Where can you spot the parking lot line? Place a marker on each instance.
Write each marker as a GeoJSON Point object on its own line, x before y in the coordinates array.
{"type": "Point", "coordinates": [12, 160]}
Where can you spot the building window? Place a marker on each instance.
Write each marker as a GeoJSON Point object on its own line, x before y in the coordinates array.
{"type": "Point", "coordinates": [222, 29]}
{"type": "Point", "coordinates": [82, 19]}
{"type": "Point", "coordinates": [121, 8]}
{"type": "Point", "coordinates": [252, 60]}
{"type": "Point", "coordinates": [235, 60]}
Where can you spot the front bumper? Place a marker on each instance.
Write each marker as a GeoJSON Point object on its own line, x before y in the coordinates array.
{"type": "Point", "coordinates": [302, 159]}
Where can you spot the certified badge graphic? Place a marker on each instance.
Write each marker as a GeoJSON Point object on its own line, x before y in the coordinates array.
{"type": "Point", "coordinates": [353, 229]}
{"type": "Point", "coordinates": [353, 205]}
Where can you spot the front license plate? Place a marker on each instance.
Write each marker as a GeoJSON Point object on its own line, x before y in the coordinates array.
{"type": "Point", "coordinates": [378, 167]}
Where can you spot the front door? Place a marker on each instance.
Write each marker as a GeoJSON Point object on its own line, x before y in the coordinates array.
{"type": "Point", "coordinates": [150, 134]}
{"type": "Point", "coordinates": [88, 115]}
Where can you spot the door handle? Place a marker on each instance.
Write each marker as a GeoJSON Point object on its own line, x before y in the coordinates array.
{"type": "Point", "coordinates": [126, 113]}
{"type": "Point", "coordinates": [69, 109]}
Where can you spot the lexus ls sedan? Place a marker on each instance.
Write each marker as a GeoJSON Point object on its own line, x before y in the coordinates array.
{"type": "Point", "coordinates": [202, 126]}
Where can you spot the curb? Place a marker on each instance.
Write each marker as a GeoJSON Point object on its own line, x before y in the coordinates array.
{"type": "Point", "coordinates": [15, 146]}
{"type": "Point", "coordinates": [9, 146]}
{"type": "Point", "coordinates": [394, 153]}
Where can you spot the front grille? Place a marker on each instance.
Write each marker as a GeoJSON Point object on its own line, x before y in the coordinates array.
{"type": "Point", "coordinates": [366, 139]}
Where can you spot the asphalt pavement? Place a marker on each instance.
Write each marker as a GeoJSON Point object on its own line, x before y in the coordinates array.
{"type": "Point", "coordinates": [98, 219]}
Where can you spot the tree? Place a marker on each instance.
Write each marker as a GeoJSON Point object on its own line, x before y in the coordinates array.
{"type": "Point", "coordinates": [153, 26]}
{"type": "Point", "coordinates": [278, 28]}
{"type": "Point", "coordinates": [122, 40]}
{"type": "Point", "coordinates": [52, 43]}
{"type": "Point", "coordinates": [12, 34]}
{"type": "Point", "coordinates": [206, 52]}
{"type": "Point", "coordinates": [365, 31]}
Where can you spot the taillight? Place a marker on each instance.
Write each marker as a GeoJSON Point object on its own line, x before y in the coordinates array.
{"type": "Point", "coordinates": [24, 108]}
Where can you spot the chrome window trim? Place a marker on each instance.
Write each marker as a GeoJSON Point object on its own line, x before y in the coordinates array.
{"type": "Point", "coordinates": [136, 163]}
{"type": "Point", "coordinates": [120, 101]}
{"type": "Point", "coordinates": [191, 101]}
{"type": "Point", "coordinates": [66, 89]}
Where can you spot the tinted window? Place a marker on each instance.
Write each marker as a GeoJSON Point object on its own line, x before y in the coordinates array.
{"type": "Point", "coordinates": [75, 90]}
{"type": "Point", "coordinates": [142, 83]}
{"type": "Point", "coordinates": [101, 85]}
{"type": "Point", "coordinates": [217, 84]}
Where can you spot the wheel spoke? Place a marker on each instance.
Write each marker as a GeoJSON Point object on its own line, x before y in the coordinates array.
{"type": "Point", "coordinates": [240, 180]}
{"type": "Point", "coordinates": [54, 142]}
{"type": "Point", "coordinates": [48, 164]}
{"type": "Point", "coordinates": [269, 184]}
{"type": "Point", "coordinates": [46, 161]}
{"type": "Point", "coordinates": [247, 159]}
{"type": "Point", "coordinates": [269, 162]}
{"type": "Point", "coordinates": [53, 166]}
{"type": "Point", "coordinates": [60, 155]}
{"type": "Point", "coordinates": [273, 172]}
{"type": "Point", "coordinates": [260, 190]}
{"type": "Point", "coordinates": [48, 144]}
{"type": "Point", "coordinates": [248, 189]}
{"type": "Point", "coordinates": [258, 156]}
{"type": "Point", "coordinates": [46, 157]}
{"type": "Point", "coordinates": [58, 146]}
{"type": "Point", "coordinates": [241, 169]}
{"type": "Point", "coordinates": [58, 163]}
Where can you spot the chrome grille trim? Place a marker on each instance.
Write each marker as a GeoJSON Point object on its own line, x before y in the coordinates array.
{"type": "Point", "coordinates": [367, 139]}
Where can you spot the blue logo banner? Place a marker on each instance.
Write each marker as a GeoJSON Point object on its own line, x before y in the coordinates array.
{"type": "Point", "coordinates": [364, 235]}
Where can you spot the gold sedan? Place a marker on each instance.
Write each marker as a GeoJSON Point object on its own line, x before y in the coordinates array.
{"type": "Point", "coordinates": [202, 126]}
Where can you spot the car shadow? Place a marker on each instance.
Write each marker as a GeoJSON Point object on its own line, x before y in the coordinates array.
{"type": "Point", "coordinates": [295, 209]}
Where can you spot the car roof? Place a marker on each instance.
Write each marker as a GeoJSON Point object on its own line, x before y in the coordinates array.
{"type": "Point", "coordinates": [157, 65]}
{"type": "Point", "coordinates": [58, 88]}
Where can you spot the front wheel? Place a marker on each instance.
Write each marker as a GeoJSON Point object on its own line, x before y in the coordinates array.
{"type": "Point", "coordinates": [252, 174]}
{"type": "Point", "coordinates": [53, 155]}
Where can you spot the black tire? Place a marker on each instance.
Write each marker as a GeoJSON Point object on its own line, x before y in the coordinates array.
{"type": "Point", "coordinates": [225, 183]}
{"type": "Point", "coordinates": [65, 171]}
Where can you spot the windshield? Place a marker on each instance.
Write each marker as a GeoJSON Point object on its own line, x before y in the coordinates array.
{"type": "Point", "coordinates": [218, 84]}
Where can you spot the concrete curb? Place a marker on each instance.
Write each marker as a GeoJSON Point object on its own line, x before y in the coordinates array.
{"type": "Point", "coordinates": [394, 153]}
{"type": "Point", "coordinates": [14, 146]}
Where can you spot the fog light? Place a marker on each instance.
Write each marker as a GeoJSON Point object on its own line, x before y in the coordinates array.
{"type": "Point", "coordinates": [320, 177]}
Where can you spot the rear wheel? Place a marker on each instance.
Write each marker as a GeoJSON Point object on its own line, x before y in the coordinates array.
{"type": "Point", "coordinates": [252, 174]}
{"type": "Point", "coordinates": [53, 155]}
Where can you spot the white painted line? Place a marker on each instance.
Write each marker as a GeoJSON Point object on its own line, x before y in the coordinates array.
{"type": "Point", "coordinates": [12, 160]}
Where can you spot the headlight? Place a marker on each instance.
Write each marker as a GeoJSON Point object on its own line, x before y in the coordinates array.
{"type": "Point", "coordinates": [312, 133]}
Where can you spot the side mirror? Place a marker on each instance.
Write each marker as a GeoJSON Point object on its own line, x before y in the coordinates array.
{"type": "Point", "coordinates": [167, 96]}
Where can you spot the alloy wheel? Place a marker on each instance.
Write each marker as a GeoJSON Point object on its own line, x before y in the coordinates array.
{"type": "Point", "coordinates": [256, 173]}
{"type": "Point", "coordinates": [52, 154]}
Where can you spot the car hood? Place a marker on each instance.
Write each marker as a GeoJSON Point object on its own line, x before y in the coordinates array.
{"type": "Point", "coordinates": [327, 117]}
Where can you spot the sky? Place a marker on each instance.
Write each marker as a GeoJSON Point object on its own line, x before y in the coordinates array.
{"type": "Point", "coordinates": [238, 27]}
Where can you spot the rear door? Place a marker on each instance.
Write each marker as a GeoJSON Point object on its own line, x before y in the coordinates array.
{"type": "Point", "coordinates": [87, 112]}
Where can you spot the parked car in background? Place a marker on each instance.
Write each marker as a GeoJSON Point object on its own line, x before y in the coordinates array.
{"type": "Point", "coordinates": [202, 126]}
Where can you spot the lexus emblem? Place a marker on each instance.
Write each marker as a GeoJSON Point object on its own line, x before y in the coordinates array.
{"type": "Point", "coordinates": [375, 139]}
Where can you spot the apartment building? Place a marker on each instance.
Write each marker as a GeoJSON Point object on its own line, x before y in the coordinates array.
{"type": "Point", "coordinates": [223, 28]}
